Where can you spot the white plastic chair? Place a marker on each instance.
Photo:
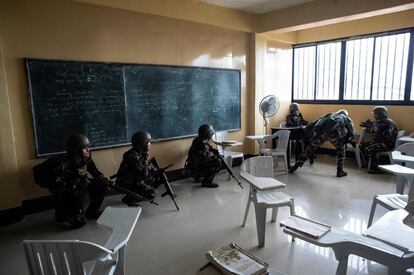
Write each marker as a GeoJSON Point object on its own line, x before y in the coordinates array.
{"type": "Point", "coordinates": [55, 257]}
{"type": "Point", "coordinates": [293, 143]}
{"type": "Point", "coordinates": [359, 157]}
{"type": "Point", "coordinates": [281, 148]}
{"type": "Point", "coordinates": [406, 149]}
{"type": "Point", "coordinates": [388, 201]}
{"type": "Point", "coordinates": [225, 151]}
{"type": "Point", "coordinates": [262, 166]}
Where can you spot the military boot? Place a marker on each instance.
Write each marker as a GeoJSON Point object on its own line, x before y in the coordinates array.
{"type": "Point", "coordinates": [341, 173]}
{"type": "Point", "coordinates": [209, 184]}
{"type": "Point", "coordinates": [295, 167]}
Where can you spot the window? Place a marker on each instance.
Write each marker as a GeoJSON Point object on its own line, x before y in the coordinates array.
{"type": "Point", "coordinates": [390, 67]}
{"type": "Point", "coordinates": [327, 68]}
{"type": "Point", "coordinates": [304, 73]}
{"type": "Point", "coordinates": [369, 68]}
{"type": "Point", "coordinates": [358, 69]}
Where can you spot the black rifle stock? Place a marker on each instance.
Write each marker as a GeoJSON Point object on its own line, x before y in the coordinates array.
{"type": "Point", "coordinates": [112, 185]}
{"type": "Point", "coordinates": [164, 178]}
{"type": "Point", "coordinates": [226, 166]}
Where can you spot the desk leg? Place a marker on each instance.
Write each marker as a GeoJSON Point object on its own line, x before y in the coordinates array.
{"type": "Point", "coordinates": [288, 154]}
{"type": "Point", "coordinates": [411, 189]}
{"type": "Point", "coordinates": [261, 146]}
{"type": "Point", "coordinates": [342, 264]}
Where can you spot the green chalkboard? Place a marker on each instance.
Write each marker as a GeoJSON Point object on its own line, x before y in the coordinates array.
{"type": "Point", "coordinates": [110, 101]}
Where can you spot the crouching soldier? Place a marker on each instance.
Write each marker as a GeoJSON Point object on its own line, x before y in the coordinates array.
{"type": "Point", "coordinates": [135, 172]}
{"type": "Point", "coordinates": [77, 197]}
{"type": "Point", "coordinates": [338, 128]}
{"type": "Point", "coordinates": [203, 160]}
{"type": "Point", "coordinates": [385, 131]}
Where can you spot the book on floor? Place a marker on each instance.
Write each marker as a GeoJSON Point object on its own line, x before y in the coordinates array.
{"type": "Point", "coordinates": [309, 227]}
{"type": "Point", "coordinates": [232, 259]}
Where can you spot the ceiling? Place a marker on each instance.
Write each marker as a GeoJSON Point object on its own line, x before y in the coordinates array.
{"type": "Point", "coordinates": [256, 6]}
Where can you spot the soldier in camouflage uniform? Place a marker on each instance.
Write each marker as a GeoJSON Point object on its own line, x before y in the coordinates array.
{"type": "Point", "coordinates": [135, 172]}
{"type": "Point", "coordinates": [77, 197]}
{"type": "Point", "coordinates": [385, 131]}
{"type": "Point", "coordinates": [203, 160]}
{"type": "Point", "coordinates": [338, 128]}
{"type": "Point", "coordinates": [294, 118]}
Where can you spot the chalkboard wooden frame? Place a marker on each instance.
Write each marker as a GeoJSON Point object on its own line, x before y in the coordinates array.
{"type": "Point", "coordinates": [86, 74]}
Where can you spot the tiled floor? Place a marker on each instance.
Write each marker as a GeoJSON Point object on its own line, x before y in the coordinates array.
{"type": "Point", "coordinates": [166, 241]}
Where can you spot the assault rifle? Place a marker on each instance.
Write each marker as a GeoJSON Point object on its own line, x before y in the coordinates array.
{"type": "Point", "coordinates": [370, 124]}
{"type": "Point", "coordinates": [162, 176]}
{"type": "Point", "coordinates": [117, 188]}
{"type": "Point", "coordinates": [226, 166]}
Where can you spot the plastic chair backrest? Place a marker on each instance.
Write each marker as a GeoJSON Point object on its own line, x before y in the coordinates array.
{"type": "Point", "coordinates": [399, 135]}
{"type": "Point", "coordinates": [406, 148]}
{"type": "Point", "coordinates": [62, 256]}
{"type": "Point", "coordinates": [283, 139]}
{"type": "Point", "coordinates": [261, 166]}
{"type": "Point", "coordinates": [220, 136]}
{"type": "Point", "coordinates": [362, 135]}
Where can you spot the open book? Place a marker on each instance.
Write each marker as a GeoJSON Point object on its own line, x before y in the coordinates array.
{"type": "Point", "coordinates": [306, 226]}
{"type": "Point", "coordinates": [232, 259]}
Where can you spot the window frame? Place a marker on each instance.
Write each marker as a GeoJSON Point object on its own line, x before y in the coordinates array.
{"type": "Point", "coordinates": [343, 40]}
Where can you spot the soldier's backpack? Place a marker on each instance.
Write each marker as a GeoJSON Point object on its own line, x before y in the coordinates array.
{"type": "Point", "coordinates": [326, 124]}
{"type": "Point", "coordinates": [43, 172]}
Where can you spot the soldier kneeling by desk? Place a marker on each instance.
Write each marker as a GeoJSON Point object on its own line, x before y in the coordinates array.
{"type": "Point", "coordinates": [203, 160]}
{"type": "Point", "coordinates": [77, 197]}
{"type": "Point", "coordinates": [136, 173]}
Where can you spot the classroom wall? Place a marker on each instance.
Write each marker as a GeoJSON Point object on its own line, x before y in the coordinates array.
{"type": "Point", "coordinates": [70, 30]}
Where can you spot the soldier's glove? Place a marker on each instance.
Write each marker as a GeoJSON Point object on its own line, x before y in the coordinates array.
{"type": "Point", "coordinates": [215, 151]}
{"type": "Point", "coordinates": [353, 143]}
{"type": "Point", "coordinates": [368, 123]}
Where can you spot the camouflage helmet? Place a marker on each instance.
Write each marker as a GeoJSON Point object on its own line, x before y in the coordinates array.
{"type": "Point", "coordinates": [380, 111]}
{"type": "Point", "coordinates": [294, 107]}
{"type": "Point", "coordinates": [76, 142]}
{"type": "Point", "coordinates": [206, 131]}
{"type": "Point", "coordinates": [342, 112]}
{"type": "Point", "coordinates": [140, 140]}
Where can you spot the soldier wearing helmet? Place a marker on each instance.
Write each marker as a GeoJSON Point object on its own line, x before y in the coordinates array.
{"type": "Point", "coordinates": [385, 131]}
{"type": "Point", "coordinates": [77, 196]}
{"type": "Point", "coordinates": [295, 118]}
{"type": "Point", "coordinates": [202, 161]}
{"type": "Point", "coordinates": [135, 171]}
{"type": "Point", "coordinates": [338, 129]}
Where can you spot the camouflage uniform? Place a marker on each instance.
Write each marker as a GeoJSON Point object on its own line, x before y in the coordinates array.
{"type": "Point", "coordinates": [136, 174]}
{"type": "Point", "coordinates": [202, 162]}
{"type": "Point", "coordinates": [339, 131]}
{"type": "Point", "coordinates": [384, 140]}
{"type": "Point", "coordinates": [293, 120]}
{"type": "Point", "coordinates": [76, 195]}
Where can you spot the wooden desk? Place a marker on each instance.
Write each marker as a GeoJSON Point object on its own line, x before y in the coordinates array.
{"type": "Point", "coordinates": [405, 172]}
{"type": "Point", "coordinates": [260, 139]}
